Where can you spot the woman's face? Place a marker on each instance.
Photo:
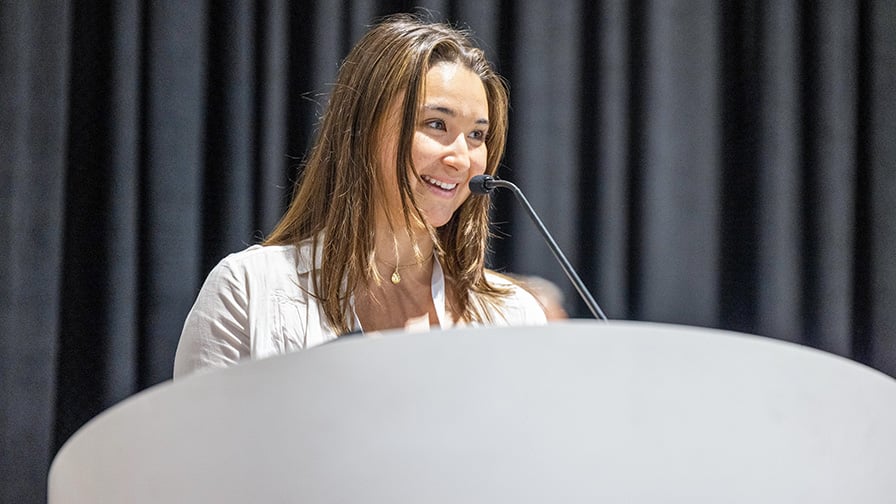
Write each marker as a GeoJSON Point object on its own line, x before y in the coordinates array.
{"type": "Point", "coordinates": [449, 143]}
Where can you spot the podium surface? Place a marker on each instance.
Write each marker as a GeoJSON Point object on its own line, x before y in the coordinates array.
{"type": "Point", "coordinates": [570, 412]}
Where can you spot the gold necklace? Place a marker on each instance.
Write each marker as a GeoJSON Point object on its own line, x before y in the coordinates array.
{"type": "Point", "coordinates": [396, 276]}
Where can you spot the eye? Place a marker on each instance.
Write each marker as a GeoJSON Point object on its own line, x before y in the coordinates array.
{"type": "Point", "coordinates": [436, 124]}
{"type": "Point", "coordinates": [478, 135]}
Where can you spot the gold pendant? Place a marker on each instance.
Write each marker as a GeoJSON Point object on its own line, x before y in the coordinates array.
{"type": "Point", "coordinates": [396, 277]}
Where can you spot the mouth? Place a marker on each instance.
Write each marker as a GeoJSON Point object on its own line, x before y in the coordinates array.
{"type": "Point", "coordinates": [438, 184]}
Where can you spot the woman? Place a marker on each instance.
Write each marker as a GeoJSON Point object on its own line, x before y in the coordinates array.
{"type": "Point", "coordinates": [381, 233]}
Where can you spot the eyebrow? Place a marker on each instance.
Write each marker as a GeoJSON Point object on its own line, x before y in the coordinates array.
{"type": "Point", "coordinates": [451, 112]}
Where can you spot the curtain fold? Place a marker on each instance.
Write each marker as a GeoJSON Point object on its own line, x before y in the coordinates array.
{"type": "Point", "coordinates": [101, 266]}
{"type": "Point", "coordinates": [34, 62]}
{"type": "Point", "coordinates": [608, 115]}
{"type": "Point", "coordinates": [679, 176]}
{"type": "Point", "coordinates": [726, 165]}
{"type": "Point", "coordinates": [544, 113]}
{"type": "Point", "coordinates": [878, 155]}
{"type": "Point", "coordinates": [778, 218]}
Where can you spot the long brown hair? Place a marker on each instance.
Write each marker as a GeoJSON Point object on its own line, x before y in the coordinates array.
{"type": "Point", "coordinates": [335, 199]}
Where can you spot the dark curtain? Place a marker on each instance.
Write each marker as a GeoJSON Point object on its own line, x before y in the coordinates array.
{"type": "Point", "coordinates": [721, 164]}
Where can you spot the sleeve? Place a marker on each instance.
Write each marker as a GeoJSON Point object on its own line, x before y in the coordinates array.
{"type": "Point", "coordinates": [216, 332]}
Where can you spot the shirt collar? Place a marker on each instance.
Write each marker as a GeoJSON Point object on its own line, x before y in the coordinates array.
{"type": "Point", "coordinates": [438, 293]}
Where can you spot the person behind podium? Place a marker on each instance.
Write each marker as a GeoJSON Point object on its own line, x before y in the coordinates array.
{"type": "Point", "coordinates": [382, 232]}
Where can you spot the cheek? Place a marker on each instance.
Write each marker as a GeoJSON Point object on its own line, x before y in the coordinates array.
{"type": "Point", "coordinates": [424, 149]}
{"type": "Point", "coordinates": [479, 160]}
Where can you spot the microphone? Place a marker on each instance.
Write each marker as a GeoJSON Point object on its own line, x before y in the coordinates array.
{"type": "Point", "coordinates": [485, 184]}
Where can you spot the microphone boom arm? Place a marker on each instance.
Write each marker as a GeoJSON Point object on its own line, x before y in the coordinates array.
{"type": "Point", "coordinates": [484, 184]}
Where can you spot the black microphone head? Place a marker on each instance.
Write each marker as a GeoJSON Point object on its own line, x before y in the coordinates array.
{"type": "Point", "coordinates": [481, 184]}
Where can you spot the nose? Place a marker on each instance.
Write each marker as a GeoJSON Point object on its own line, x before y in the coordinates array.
{"type": "Point", "coordinates": [458, 153]}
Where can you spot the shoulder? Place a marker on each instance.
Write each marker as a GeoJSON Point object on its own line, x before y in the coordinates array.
{"type": "Point", "coordinates": [519, 307]}
{"type": "Point", "coordinates": [255, 273]}
{"type": "Point", "coordinates": [499, 279]}
{"type": "Point", "coordinates": [261, 254]}
{"type": "Point", "coordinates": [269, 260]}
{"type": "Point", "coordinates": [518, 293]}
{"type": "Point", "coordinates": [250, 306]}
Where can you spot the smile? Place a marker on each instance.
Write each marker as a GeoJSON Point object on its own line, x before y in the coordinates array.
{"type": "Point", "coordinates": [441, 185]}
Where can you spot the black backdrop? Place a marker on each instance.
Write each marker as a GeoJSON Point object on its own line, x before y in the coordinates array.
{"type": "Point", "coordinates": [723, 164]}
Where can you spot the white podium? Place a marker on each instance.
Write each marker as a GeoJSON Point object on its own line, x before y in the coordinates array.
{"type": "Point", "coordinates": [574, 412]}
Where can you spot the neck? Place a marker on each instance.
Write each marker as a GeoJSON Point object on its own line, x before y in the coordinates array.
{"type": "Point", "coordinates": [404, 258]}
{"type": "Point", "coordinates": [397, 247]}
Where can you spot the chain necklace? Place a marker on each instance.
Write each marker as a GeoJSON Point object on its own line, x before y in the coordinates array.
{"type": "Point", "coordinates": [396, 276]}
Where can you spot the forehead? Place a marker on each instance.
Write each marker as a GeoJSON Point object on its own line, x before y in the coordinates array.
{"type": "Point", "coordinates": [456, 87]}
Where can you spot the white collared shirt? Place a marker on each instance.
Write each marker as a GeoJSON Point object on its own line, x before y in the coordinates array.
{"type": "Point", "coordinates": [258, 303]}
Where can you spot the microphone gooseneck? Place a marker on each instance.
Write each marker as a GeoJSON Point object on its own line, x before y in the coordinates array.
{"type": "Point", "coordinates": [485, 184]}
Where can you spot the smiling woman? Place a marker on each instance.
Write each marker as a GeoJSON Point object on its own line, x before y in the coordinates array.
{"type": "Point", "coordinates": [416, 111]}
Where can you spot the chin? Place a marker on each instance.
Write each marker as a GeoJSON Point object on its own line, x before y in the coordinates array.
{"type": "Point", "coordinates": [437, 222]}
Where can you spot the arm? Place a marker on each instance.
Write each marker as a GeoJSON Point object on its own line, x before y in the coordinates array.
{"type": "Point", "coordinates": [216, 332]}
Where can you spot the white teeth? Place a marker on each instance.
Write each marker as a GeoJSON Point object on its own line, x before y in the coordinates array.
{"type": "Point", "coordinates": [435, 182]}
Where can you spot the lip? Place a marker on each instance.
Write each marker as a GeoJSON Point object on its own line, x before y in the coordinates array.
{"type": "Point", "coordinates": [437, 185]}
